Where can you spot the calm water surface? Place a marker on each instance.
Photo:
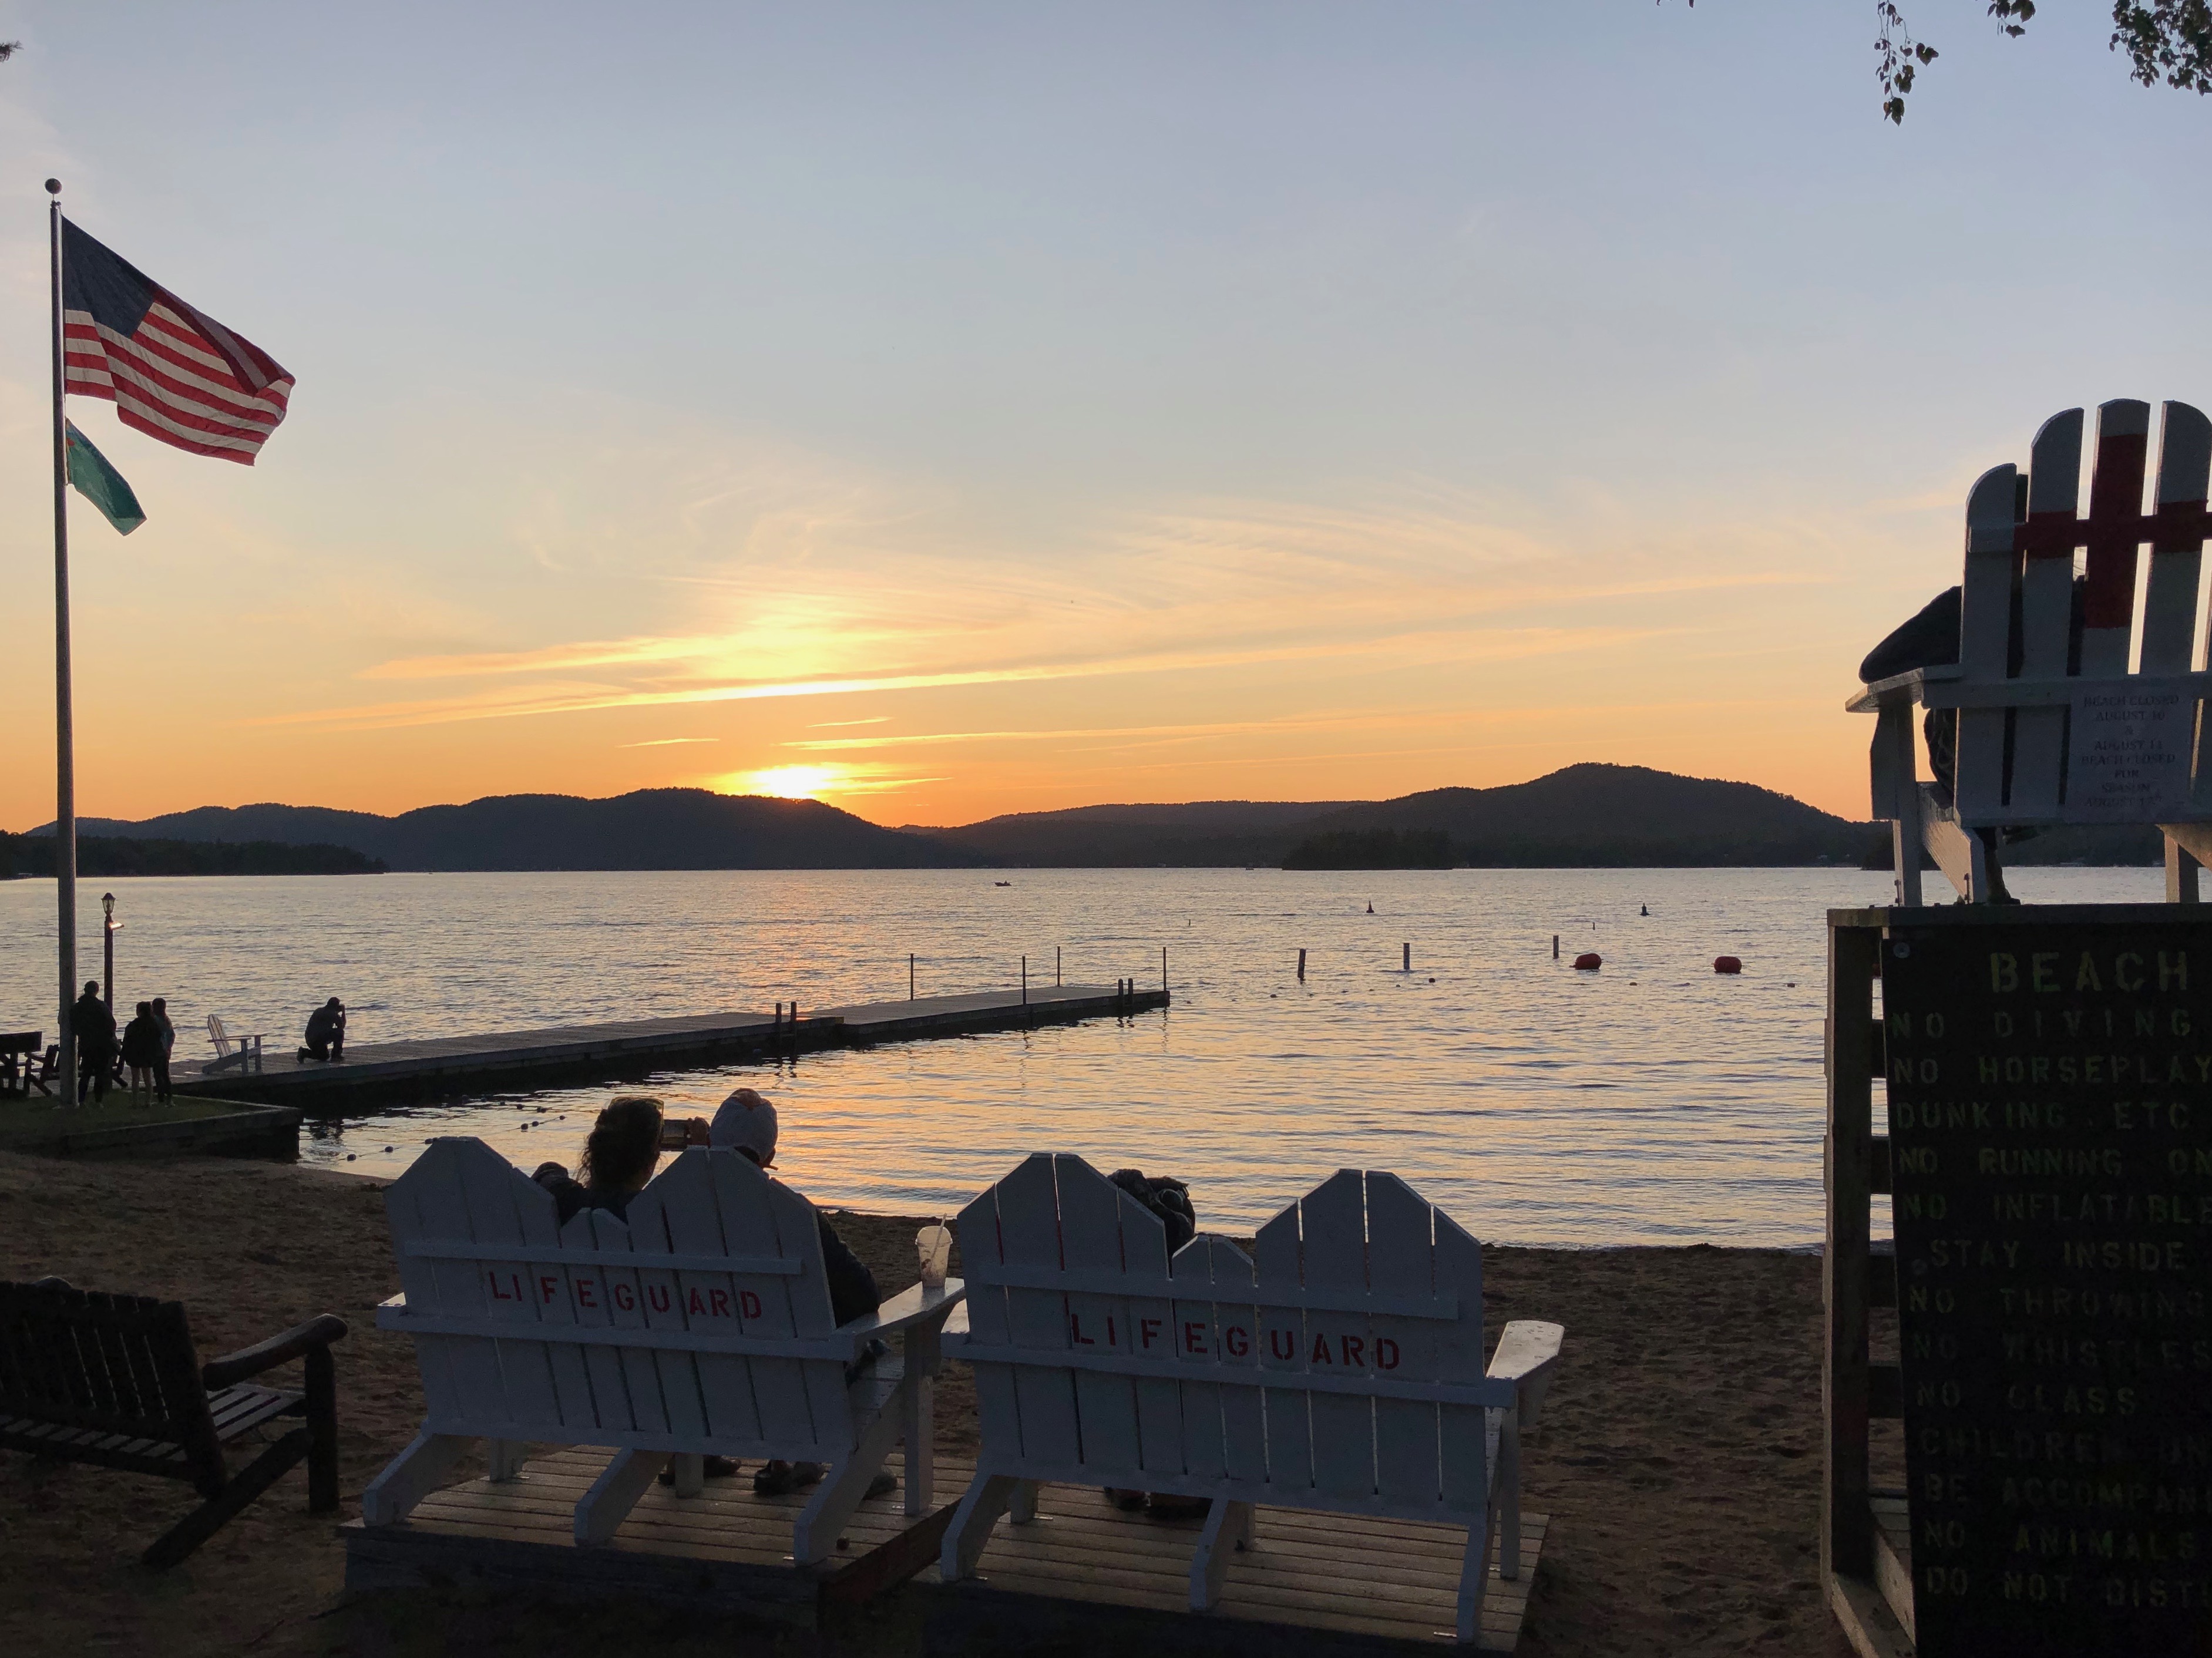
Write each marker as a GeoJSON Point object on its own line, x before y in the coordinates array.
{"type": "Point", "coordinates": [1653, 1102]}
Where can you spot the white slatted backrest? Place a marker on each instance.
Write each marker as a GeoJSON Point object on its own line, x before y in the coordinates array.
{"type": "Point", "coordinates": [720, 1203]}
{"type": "Point", "coordinates": [477, 1241]}
{"type": "Point", "coordinates": [1985, 633]}
{"type": "Point", "coordinates": [1368, 1236]}
{"type": "Point", "coordinates": [2046, 608]}
{"type": "Point", "coordinates": [1133, 1366]}
{"type": "Point", "coordinates": [2150, 626]}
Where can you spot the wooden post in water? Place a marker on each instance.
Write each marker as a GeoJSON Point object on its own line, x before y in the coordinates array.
{"type": "Point", "coordinates": [1164, 970]}
{"type": "Point", "coordinates": [1302, 966]}
{"type": "Point", "coordinates": [1056, 967]}
{"type": "Point", "coordinates": [1406, 958]}
{"type": "Point", "coordinates": [909, 976]}
{"type": "Point", "coordinates": [1025, 982]}
{"type": "Point", "coordinates": [1555, 946]}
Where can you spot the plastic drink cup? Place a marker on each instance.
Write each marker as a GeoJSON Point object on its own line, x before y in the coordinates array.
{"type": "Point", "coordinates": [933, 1244]}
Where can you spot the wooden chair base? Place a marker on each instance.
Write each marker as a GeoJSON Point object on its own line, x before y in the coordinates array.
{"type": "Point", "coordinates": [202, 1522]}
{"type": "Point", "coordinates": [1313, 1584]}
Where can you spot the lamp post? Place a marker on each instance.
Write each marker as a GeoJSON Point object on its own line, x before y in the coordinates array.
{"type": "Point", "coordinates": [107, 967]}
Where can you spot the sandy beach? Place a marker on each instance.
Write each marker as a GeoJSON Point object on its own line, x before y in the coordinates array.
{"type": "Point", "coordinates": [1680, 1456]}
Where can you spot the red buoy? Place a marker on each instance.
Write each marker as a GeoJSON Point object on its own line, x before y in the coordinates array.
{"type": "Point", "coordinates": [1589, 962]}
{"type": "Point", "coordinates": [1727, 964]}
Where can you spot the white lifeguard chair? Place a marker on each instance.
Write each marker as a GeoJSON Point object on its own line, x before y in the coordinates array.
{"type": "Point", "coordinates": [1338, 1369]}
{"type": "Point", "coordinates": [2110, 732]}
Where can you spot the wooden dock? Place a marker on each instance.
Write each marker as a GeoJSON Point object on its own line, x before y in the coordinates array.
{"type": "Point", "coordinates": [391, 1073]}
{"type": "Point", "coordinates": [1082, 1576]}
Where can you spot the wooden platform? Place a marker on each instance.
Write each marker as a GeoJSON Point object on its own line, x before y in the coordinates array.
{"type": "Point", "coordinates": [389, 1073]}
{"type": "Point", "coordinates": [1351, 1583]}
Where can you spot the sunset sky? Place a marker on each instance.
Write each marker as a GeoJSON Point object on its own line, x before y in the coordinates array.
{"type": "Point", "coordinates": [950, 410]}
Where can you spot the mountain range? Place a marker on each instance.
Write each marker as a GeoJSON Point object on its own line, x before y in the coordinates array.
{"type": "Point", "coordinates": [651, 829]}
{"type": "Point", "coordinates": [1583, 815]}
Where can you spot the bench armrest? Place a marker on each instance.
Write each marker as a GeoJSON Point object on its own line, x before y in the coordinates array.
{"type": "Point", "coordinates": [1526, 1354]}
{"type": "Point", "coordinates": [318, 1332]}
{"type": "Point", "coordinates": [910, 1308]}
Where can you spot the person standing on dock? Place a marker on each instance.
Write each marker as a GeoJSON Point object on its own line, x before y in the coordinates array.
{"type": "Point", "coordinates": [96, 1042]}
{"type": "Point", "coordinates": [326, 1032]}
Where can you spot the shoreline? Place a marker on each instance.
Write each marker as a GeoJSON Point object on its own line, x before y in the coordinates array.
{"type": "Point", "coordinates": [1678, 1457]}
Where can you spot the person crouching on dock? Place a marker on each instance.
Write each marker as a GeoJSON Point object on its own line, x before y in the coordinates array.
{"type": "Point", "coordinates": [326, 1032]}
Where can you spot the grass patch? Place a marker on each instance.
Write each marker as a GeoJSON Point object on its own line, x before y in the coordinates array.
{"type": "Point", "coordinates": [38, 1118]}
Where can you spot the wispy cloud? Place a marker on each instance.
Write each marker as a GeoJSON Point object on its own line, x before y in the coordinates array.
{"type": "Point", "coordinates": [845, 595]}
{"type": "Point", "coordinates": [1495, 646]}
{"type": "Point", "coordinates": [667, 742]}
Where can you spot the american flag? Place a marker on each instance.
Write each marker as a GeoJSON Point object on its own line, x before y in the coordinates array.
{"type": "Point", "coordinates": [173, 372]}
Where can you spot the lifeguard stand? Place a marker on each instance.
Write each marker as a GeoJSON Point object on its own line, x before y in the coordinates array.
{"type": "Point", "coordinates": [2056, 726]}
{"type": "Point", "coordinates": [2094, 720]}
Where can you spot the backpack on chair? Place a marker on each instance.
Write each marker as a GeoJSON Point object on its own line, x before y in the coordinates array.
{"type": "Point", "coordinates": [1168, 1199]}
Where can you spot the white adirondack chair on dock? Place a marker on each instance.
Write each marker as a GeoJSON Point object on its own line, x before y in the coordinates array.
{"type": "Point", "coordinates": [700, 1325]}
{"type": "Point", "coordinates": [1338, 1369]}
{"type": "Point", "coordinates": [2114, 738]}
{"type": "Point", "coordinates": [232, 1047]}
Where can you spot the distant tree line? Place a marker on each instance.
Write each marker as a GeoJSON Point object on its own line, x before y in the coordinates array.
{"type": "Point", "coordinates": [1382, 848]}
{"type": "Point", "coordinates": [102, 855]}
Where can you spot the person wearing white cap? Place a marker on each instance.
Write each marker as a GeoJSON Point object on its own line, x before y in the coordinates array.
{"type": "Point", "coordinates": [746, 1124]}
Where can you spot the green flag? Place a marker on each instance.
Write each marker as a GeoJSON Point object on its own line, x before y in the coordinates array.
{"type": "Point", "coordinates": [101, 484]}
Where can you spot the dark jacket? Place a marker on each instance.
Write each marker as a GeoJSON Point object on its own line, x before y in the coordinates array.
{"type": "Point", "coordinates": [325, 1023]}
{"type": "Point", "coordinates": [94, 1024]}
{"type": "Point", "coordinates": [570, 1194]}
{"type": "Point", "coordinates": [142, 1040]}
{"type": "Point", "coordinates": [852, 1292]}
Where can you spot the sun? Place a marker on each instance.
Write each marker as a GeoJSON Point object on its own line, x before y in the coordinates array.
{"type": "Point", "coordinates": [790, 782]}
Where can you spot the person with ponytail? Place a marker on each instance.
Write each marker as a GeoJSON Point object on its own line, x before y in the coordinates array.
{"type": "Point", "coordinates": [620, 1155]}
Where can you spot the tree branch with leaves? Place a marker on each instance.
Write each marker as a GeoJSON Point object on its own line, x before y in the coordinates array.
{"type": "Point", "coordinates": [2166, 41]}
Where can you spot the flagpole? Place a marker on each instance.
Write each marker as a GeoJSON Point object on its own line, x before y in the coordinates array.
{"type": "Point", "coordinates": [64, 720]}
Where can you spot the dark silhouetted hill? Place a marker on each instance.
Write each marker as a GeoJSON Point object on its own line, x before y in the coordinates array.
{"type": "Point", "coordinates": [1382, 848]}
{"type": "Point", "coordinates": [652, 828]}
{"type": "Point", "coordinates": [1596, 815]}
{"type": "Point", "coordinates": [1583, 815]}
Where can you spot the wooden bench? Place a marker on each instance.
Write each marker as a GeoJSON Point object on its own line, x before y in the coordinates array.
{"type": "Point", "coordinates": [699, 1325]}
{"type": "Point", "coordinates": [20, 1067]}
{"type": "Point", "coordinates": [231, 1049]}
{"type": "Point", "coordinates": [1337, 1369]}
{"type": "Point", "coordinates": [2113, 737]}
{"type": "Point", "coordinates": [114, 1380]}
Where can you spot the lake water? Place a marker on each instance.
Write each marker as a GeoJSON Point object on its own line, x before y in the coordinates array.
{"type": "Point", "coordinates": [1653, 1102]}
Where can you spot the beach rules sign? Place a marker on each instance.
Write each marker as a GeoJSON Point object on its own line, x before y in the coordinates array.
{"type": "Point", "coordinates": [2050, 1088]}
{"type": "Point", "coordinates": [2127, 756]}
